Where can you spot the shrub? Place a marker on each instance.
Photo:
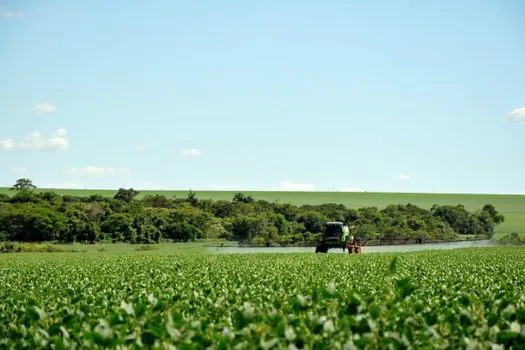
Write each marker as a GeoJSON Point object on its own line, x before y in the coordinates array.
{"type": "Point", "coordinates": [9, 247]}
{"type": "Point", "coordinates": [513, 238]}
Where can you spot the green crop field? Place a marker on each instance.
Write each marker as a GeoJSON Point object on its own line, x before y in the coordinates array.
{"type": "Point", "coordinates": [512, 206]}
{"type": "Point", "coordinates": [470, 298]}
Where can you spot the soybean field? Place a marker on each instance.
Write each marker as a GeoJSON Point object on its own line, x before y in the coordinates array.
{"type": "Point", "coordinates": [468, 298]}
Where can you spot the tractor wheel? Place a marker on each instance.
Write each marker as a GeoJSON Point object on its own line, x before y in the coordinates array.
{"type": "Point", "coordinates": [321, 249]}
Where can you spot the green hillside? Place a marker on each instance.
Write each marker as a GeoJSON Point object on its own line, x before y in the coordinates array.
{"type": "Point", "coordinates": [512, 206]}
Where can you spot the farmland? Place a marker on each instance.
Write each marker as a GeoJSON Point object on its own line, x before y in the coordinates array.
{"type": "Point", "coordinates": [511, 206]}
{"type": "Point", "coordinates": [470, 298]}
{"type": "Point", "coordinates": [109, 294]}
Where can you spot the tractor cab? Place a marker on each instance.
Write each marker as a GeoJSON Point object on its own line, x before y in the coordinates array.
{"type": "Point", "coordinates": [331, 237]}
{"type": "Point", "coordinates": [333, 231]}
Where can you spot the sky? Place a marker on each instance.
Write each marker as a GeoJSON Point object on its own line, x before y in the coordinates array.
{"type": "Point", "coordinates": [333, 95]}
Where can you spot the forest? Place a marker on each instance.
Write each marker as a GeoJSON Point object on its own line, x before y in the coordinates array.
{"type": "Point", "coordinates": [30, 216]}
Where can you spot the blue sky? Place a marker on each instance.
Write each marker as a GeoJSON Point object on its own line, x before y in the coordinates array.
{"type": "Point", "coordinates": [305, 95]}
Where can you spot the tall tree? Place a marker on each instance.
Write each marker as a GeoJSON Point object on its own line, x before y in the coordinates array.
{"type": "Point", "coordinates": [23, 184]}
{"type": "Point", "coordinates": [126, 195]}
{"type": "Point", "coordinates": [192, 198]}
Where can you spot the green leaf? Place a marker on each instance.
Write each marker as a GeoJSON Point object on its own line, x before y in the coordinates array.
{"type": "Point", "coordinates": [147, 338]}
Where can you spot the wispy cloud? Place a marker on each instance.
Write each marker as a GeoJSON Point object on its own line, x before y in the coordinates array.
{"type": "Point", "coordinates": [95, 171]}
{"type": "Point", "coordinates": [12, 14]}
{"type": "Point", "coordinates": [190, 152]}
{"type": "Point", "coordinates": [19, 170]}
{"type": "Point", "coordinates": [7, 144]}
{"type": "Point", "coordinates": [216, 187]}
{"type": "Point", "coordinates": [403, 177]}
{"type": "Point", "coordinates": [43, 108]}
{"type": "Point", "coordinates": [149, 186]}
{"type": "Point", "coordinates": [289, 186]}
{"type": "Point", "coordinates": [517, 115]}
{"type": "Point", "coordinates": [64, 185]}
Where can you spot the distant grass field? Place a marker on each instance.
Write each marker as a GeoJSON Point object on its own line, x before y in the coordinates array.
{"type": "Point", "coordinates": [512, 206]}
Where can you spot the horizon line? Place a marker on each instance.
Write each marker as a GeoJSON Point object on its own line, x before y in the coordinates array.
{"type": "Point", "coordinates": [277, 191]}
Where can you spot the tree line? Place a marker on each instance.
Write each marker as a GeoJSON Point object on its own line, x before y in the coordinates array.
{"type": "Point", "coordinates": [30, 216]}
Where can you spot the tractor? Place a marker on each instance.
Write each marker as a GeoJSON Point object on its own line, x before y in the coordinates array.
{"type": "Point", "coordinates": [331, 238]}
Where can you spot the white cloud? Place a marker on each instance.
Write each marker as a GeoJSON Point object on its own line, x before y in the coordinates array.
{"type": "Point", "coordinates": [190, 152]}
{"type": "Point", "coordinates": [352, 189]}
{"type": "Point", "coordinates": [12, 14]}
{"type": "Point", "coordinates": [42, 108]}
{"type": "Point", "coordinates": [403, 177]}
{"type": "Point", "coordinates": [7, 145]}
{"type": "Point", "coordinates": [65, 185]}
{"type": "Point", "coordinates": [140, 148]}
{"type": "Point", "coordinates": [35, 141]}
{"type": "Point", "coordinates": [288, 186]}
{"type": "Point", "coordinates": [94, 171]}
{"type": "Point", "coordinates": [57, 142]}
{"type": "Point", "coordinates": [517, 115]}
